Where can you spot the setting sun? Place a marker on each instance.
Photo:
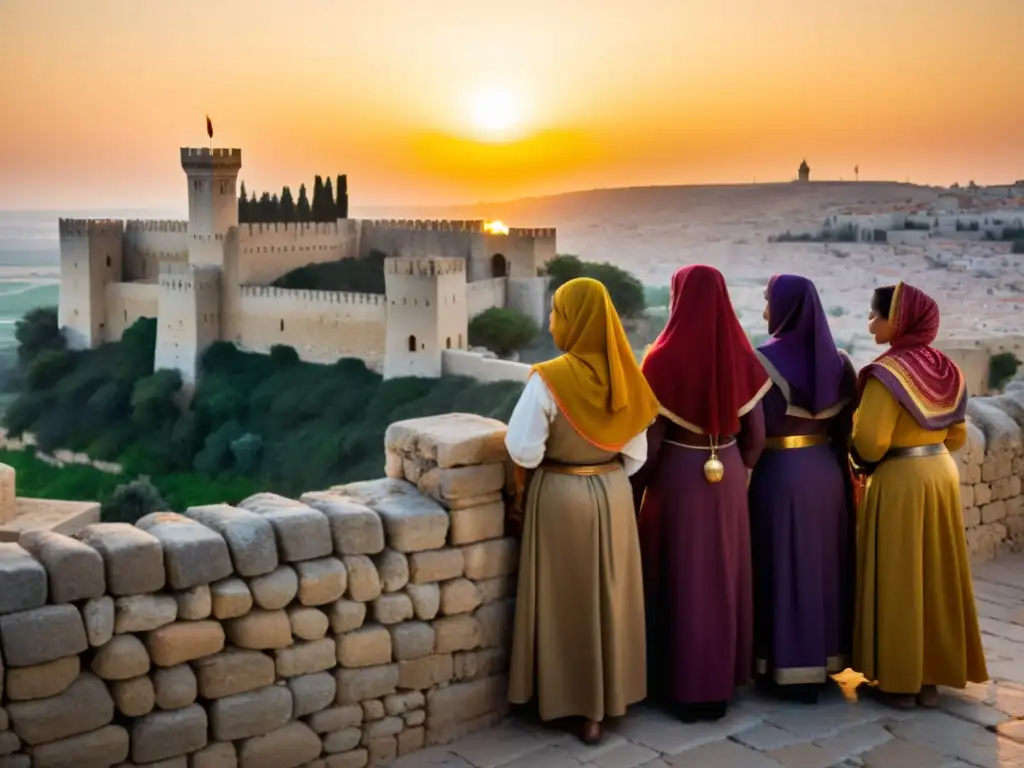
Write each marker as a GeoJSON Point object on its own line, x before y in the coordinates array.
{"type": "Point", "coordinates": [496, 112]}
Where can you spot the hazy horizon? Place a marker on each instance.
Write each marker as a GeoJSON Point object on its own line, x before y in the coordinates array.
{"type": "Point", "coordinates": [454, 103]}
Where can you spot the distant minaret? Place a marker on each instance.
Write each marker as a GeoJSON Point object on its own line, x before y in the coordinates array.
{"type": "Point", "coordinates": [804, 172]}
{"type": "Point", "coordinates": [342, 193]}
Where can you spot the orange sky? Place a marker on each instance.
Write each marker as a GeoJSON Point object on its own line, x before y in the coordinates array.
{"type": "Point", "coordinates": [97, 95]}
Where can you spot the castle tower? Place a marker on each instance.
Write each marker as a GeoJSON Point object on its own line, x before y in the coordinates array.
{"type": "Point", "coordinates": [212, 200]}
{"type": "Point", "coordinates": [804, 172]}
{"type": "Point", "coordinates": [90, 259]}
{"type": "Point", "coordinates": [189, 316]}
{"type": "Point", "coordinates": [426, 313]}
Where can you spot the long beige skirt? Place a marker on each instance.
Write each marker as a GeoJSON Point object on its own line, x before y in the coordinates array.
{"type": "Point", "coordinates": [580, 605]}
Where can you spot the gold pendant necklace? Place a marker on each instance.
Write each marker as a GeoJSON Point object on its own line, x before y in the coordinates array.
{"type": "Point", "coordinates": [714, 470]}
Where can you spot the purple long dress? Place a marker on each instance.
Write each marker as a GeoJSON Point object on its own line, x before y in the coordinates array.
{"type": "Point", "coordinates": [801, 517]}
{"type": "Point", "coordinates": [695, 539]}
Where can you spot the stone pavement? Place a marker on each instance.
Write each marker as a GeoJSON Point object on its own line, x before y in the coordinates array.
{"type": "Point", "coordinates": [982, 727]}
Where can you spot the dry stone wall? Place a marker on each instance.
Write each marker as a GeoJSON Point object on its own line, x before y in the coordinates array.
{"type": "Point", "coordinates": [338, 630]}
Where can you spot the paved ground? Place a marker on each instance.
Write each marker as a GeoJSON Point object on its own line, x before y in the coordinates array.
{"type": "Point", "coordinates": [981, 727]}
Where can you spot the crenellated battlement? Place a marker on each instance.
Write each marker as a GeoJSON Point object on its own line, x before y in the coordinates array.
{"type": "Point", "coordinates": [155, 225]}
{"type": "Point", "coordinates": [206, 159]}
{"type": "Point", "coordinates": [431, 225]}
{"type": "Point", "coordinates": [322, 297]}
{"type": "Point", "coordinates": [292, 228]}
{"type": "Point", "coordinates": [402, 265]}
{"type": "Point", "coordinates": [176, 276]}
{"type": "Point", "coordinates": [89, 227]}
{"type": "Point", "coordinates": [531, 232]}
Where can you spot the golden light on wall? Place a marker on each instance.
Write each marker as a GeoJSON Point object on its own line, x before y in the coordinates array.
{"type": "Point", "coordinates": [495, 228]}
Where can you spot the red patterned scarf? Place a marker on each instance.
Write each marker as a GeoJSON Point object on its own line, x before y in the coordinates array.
{"type": "Point", "coordinates": [924, 380]}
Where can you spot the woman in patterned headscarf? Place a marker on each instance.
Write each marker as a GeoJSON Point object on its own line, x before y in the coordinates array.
{"type": "Point", "coordinates": [580, 426]}
{"type": "Point", "coordinates": [915, 620]}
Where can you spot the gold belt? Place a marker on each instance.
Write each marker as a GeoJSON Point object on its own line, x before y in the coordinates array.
{"type": "Point", "coordinates": [581, 469]}
{"type": "Point", "coordinates": [914, 451]}
{"type": "Point", "coordinates": [795, 441]}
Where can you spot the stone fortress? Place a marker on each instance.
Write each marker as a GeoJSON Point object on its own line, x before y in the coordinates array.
{"type": "Point", "coordinates": [209, 278]}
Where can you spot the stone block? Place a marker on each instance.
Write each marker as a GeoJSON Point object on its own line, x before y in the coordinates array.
{"type": "Point", "coordinates": [355, 529]}
{"type": "Point", "coordinates": [450, 439]}
{"type": "Point", "coordinates": [363, 580]}
{"type": "Point", "coordinates": [312, 693]}
{"type": "Point", "coordinates": [411, 740]}
{"type": "Point", "coordinates": [16, 761]}
{"type": "Point", "coordinates": [124, 657]}
{"type": "Point", "coordinates": [193, 553]}
{"type": "Point", "coordinates": [195, 603]}
{"type": "Point", "coordinates": [162, 735]}
{"type": "Point", "coordinates": [496, 589]}
{"type": "Point", "coordinates": [184, 641]}
{"type": "Point", "coordinates": [426, 672]}
{"type": "Point", "coordinates": [8, 500]}
{"type": "Point", "coordinates": [84, 706]}
{"type": "Point", "coordinates": [250, 714]}
{"type": "Point", "coordinates": [366, 647]}
{"type": "Point", "coordinates": [321, 581]}
{"type": "Point", "coordinates": [135, 697]}
{"type": "Point", "coordinates": [98, 616]}
{"type": "Point", "coordinates": [290, 746]}
{"type": "Point", "coordinates": [436, 565]}
{"type": "Point", "coordinates": [9, 744]}
{"type": "Point", "coordinates": [447, 484]}
{"type": "Point", "coordinates": [308, 623]}
{"type": "Point", "coordinates": [461, 702]}
{"type": "Point", "coordinates": [42, 634]}
{"type": "Point", "coordinates": [220, 754]}
{"type": "Point", "coordinates": [415, 718]}
{"type": "Point", "coordinates": [41, 680]}
{"type": "Point", "coordinates": [97, 749]}
{"type": "Point", "coordinates": [456, 633]}
{"type": "Point", "coordinates": [393, 569]}
{"type": "Point", "coordinates": [336, 718]}
{"type": "Point", "coordinates": [387, 726]}
{"type": "Point", "coordinates": [301, 532]}
{"type": "Point", "coordinates": [133, 560]}
{"type": "Point", "coordinates": [400, 703]}
{"type": "Point", "coordinates": [305, 658]}
{"type": "Point", "coordinates": [470, 665]}
{"type": "Point", "coordinates": [495, 621]}
{"type": "Point", "coordinates": [478, 523]}
{"type": "Point", "coordinates": [412, 522]}
{"type": "Point", "coordinates": [382, 750]}
{"type": "Point", "coordinates": [355, 685]}
{"type": "Point", "coordinates": [230, 598]}
{"type": "Point", "coordinates": [373, 709]}
{"type": "Point", "coordinates": [982, 494]}
{"type": "Point", "coordinates": [275, 589]}
{"type": "Point", "coordinates": [250, 537]}
{"type": "Point", "coordinates": [233, 671]}
{"type": "Point", "coordinates": [411, 640]}
{"type": "Point", "coordinates": [345, 615]}
{"type": "Point", "coordinates": [426, 600]}
{"type": "Point", "coordinates": [393, 608]}
{"type": "Point", "coordinates": [23, 581]}
{"type": "Point", "coordinates": [993, 512]}
{"type": "Point", "coordinates": [144, 613]}
{"type": "Point", "coordinates": [174, 687]}
{"type": "Point", "coordinates": [490, 559]}
{"type": "Point", "coordinates": [75, 569]}
{"type": "Point", "coordinates": [262, 630]}
{"type": "Point", "coordinates": [342, 741]}
{"type": "Point", "coordinates": [357, 758]}
{"type": "Point", "coordinates": [459, 596]}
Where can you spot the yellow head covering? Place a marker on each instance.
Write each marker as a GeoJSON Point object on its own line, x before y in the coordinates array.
{"type": "Point", "coordinates": [597, 383]}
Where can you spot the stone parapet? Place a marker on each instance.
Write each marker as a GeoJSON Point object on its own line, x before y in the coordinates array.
{"type": "Point", "coordinates": [344, 628]}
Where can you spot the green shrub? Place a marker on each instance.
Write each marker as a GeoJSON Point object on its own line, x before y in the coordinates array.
{"type": "Point", "coordinates": [1001, 368]}
{"type": "Point", "coordinates": [503, 331]}
{"type": "Point", "coordinates": [627, 293]}
{"type": "Point", "coordinates": [131, 501]}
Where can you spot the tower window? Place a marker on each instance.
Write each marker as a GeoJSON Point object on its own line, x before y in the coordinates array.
{"type": "Point", "coordinates": [460, 341]}
{"type": "Point", "coordinates": [108, 261]}
{"type": "Point", "coordinates": [282, 326]}
{"type": "Point", "coordinates": [412, 343]}
{"type": "Point", "coordinates": [448, 343]}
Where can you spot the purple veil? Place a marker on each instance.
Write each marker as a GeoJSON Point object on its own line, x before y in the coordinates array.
{"type": "Point", "coordinates": [801, 357]}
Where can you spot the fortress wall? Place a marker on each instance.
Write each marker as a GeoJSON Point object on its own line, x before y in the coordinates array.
{"type": "Point", "coordinates": [126, 303]}
{"type": "Point", "coordinates": [355, 624]}
{"type": "Point", "coordinates": [268, 251]}
{"type": "Point", "coordinates": [420, 243]}
{"type": "Point", "coordinates": [484, 294]}
{"type": "Point", "coordinates": [322, 326]}
{"type": "Point", "coordinates": [459, 362]}
{"type": "Point", "coordinates": [148, 242]}
{"type": "Point", "coordinates": [519, 252]}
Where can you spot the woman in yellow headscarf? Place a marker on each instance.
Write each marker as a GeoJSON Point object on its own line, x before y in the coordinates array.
{"type": "Point", "coordinates": [580, 426]}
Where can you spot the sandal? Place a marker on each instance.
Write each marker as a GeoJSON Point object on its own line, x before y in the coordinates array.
{"type": "Point", "coordinates": [592, 733]}
{"type": "Point", "coordinates": [928, 697]}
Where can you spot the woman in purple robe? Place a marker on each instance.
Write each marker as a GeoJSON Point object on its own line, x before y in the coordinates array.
{"type": "Point", "coordinates": [801, 519]}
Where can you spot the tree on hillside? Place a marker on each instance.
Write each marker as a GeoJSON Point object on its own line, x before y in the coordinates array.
{"type": "Point", "coordinates": [627, 293]}
{"type": "Point", "coordinates": [302, 210]}
{"type": "Point", "coordinates": [317, 206]}
{"type": "Point", "coordinates": [329, 213]}
{"type": "Point", "coordinates": [501, 330]}
{"type": "Point", "coordinates": [243, 205]}
{"type": "Point", "coordinates": [252, 209]}
{"type": "Point", "coordinates": [287, 206]}
{"type": "Point", "coordinates": [37, 331]}
{"type": "Point", "coordinates": [342, 204]}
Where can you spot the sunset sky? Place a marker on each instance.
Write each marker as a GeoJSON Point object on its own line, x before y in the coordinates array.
{"type": "Point", "coordinates": [447, 101]}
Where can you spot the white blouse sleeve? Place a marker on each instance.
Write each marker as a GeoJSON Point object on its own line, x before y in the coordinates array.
{"type": "Point", "coordinates": [634, 453]}
{"type": "Point", "coordinates": [530, 423]}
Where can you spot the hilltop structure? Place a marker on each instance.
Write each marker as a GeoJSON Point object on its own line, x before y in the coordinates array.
{"type": "Point", "coordinates": [209, 278]}
{"type": "Point", "coordinates": [804, 172]}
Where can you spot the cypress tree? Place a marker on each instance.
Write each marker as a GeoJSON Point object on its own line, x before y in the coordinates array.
{"type": "Point", "coordinates": [342, 206]}
{"type": "Point", "coordinates": [243, 206]}
{"type": "Point", "coordinates": [329, 213]}
{"type": "Point", "coordinates": [302, 209]}
{"type": "Point", "coordinates": [317, 208]}
{"type": "Point", "coordinates": [287, 205]}
{"type": "Point", "coordinates": [266, 208]}
{"type": "Point", "coordinates": [275, 208]}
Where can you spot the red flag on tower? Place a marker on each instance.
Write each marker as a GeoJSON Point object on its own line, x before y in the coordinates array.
{"type": "Point", "coordinates": [209, 127]}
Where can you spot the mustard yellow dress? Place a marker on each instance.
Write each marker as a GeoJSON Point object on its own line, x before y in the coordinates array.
{"type": "Point", "coordinates": [916, 622]}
